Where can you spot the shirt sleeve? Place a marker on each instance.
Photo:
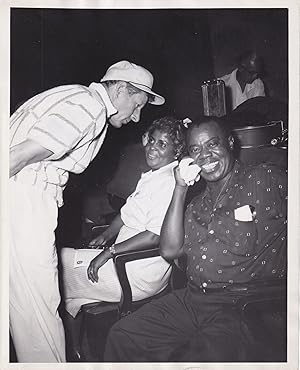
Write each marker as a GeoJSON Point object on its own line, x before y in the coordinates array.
{"type": "Point", "coordinates": [271, 200]}
{"type": "Point", "coordinates": [160, 200]}
{"type": "Point", "coordinates": [62, 130]}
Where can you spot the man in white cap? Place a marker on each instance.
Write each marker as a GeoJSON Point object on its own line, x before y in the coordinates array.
{"type": "Point", "coordinates": [56, 132]}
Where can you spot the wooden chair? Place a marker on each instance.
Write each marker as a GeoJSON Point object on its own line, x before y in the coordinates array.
{"type": "Point", "coordinates": [100, 316]}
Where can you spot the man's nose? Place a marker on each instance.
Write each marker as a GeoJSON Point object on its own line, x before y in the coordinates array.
{"type": "Point", "coordinates": [205, 153]}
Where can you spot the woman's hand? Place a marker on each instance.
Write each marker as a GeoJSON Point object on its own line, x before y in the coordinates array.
{"type": "Point", "coordinates": [96, 263]}
{"type": "Point", "coordinates": [97, 242]}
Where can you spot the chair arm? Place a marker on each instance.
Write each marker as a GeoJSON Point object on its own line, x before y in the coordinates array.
{"type": "Point", "coordinates": [98, 229]}
{"type": "Point", "coordinates": [120, 261]}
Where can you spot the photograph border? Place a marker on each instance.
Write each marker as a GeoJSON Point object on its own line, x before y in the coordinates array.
{"type": "Point", "coordinates": [293, 176]}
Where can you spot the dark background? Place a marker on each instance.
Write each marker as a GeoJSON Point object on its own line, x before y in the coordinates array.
{"type": "Point", "coordinates": [181, 47]}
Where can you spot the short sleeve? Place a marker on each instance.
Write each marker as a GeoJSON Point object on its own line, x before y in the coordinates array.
{"type": "Point", "coordinates": [270, 189]}
{"type": "Point", "coordinates": [61, 131]}
{"type": "Point", "coordinates": [159, 203]}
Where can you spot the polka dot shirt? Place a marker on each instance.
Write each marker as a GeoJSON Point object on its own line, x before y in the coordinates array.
{"type": "Point", "coordinates": [223, 248]}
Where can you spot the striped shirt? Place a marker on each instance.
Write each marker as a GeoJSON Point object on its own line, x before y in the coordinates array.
{"type": "Point", "coordinates": [68, 120]}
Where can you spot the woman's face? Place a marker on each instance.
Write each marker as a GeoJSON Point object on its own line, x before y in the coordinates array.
{"type": "Point", "coordinates": [159, 150]}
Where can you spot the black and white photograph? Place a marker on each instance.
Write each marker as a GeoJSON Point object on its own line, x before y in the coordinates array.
{"type": "Point", "coordinates": [151, 204]}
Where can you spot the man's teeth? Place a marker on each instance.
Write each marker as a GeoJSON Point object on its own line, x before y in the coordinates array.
{"type": "Point", "coordinates": [209, 167]}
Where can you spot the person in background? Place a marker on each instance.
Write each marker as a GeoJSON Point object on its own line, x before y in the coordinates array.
{"type": "Point", "coordinates": [243, 83]}
{"type": "Point", "coordinates": [137, 226]}
{"type": "Point", "coordinates": [234, 232]}
{"type": "Point", "coordinates": [56, 132]}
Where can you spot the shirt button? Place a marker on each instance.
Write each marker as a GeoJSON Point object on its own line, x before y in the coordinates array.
{"type": "Point", "coordinates": [211, 232]}
{"type": "Point", "coordinates": [204, 285]}
{"type": "Point", "coordinates": [203, 257]}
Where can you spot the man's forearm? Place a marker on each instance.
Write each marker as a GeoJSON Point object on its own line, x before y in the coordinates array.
{"type": "Point", "coordinates": [25, 153]}
{"type": "Point", "coordinates": [172, 232]}
{"type": "Point", "coordinates": [16, 161]}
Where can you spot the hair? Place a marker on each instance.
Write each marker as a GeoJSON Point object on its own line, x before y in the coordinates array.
{"type": "Point", "coordinates": [175, 129]}
{"type": "Point", "coordinates": [130, 88]}
{"type": "Point", "coordinates": [223, 125]}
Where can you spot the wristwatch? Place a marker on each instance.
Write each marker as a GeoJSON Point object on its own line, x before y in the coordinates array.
{"type": "Point", "coordinates": [112, 250]}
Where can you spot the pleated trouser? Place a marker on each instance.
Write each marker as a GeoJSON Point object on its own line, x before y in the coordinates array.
{"type": "Point", "coordinates": [182, 326]}
{"type": "Point", "coordinates": [36, 328]}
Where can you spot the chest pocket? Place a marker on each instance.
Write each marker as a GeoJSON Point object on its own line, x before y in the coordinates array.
{"type": "Point", "coordinates": [240, 237]}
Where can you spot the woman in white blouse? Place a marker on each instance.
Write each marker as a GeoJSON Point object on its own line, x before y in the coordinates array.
{"type": "Point", "coordinates": [89, 275]}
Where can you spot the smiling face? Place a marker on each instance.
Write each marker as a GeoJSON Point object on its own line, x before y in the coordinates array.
{"type": "Point", "coordinates": [211, 151]}
{"type": "Point", "coordinates": [128, 105]}
{"type": "Point", "coordinates": [159, 150]}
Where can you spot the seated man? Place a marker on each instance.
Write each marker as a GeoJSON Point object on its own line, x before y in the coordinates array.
{"type": "Point", "coordinates": [233, 232]}
{"type": "Point", "coordinates": [243, 82]}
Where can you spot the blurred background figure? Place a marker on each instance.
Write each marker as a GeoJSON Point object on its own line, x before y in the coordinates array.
{"type": "Point", "coordinates": [243, 82]}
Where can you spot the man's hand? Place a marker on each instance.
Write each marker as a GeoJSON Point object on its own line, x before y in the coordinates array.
{"type": "Point", "coordinates": [96, 263]}
{"type": "Point", "coordinates": [178, 178]}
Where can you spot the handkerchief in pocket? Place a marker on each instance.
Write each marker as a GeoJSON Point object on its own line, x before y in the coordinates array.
{"type": "Point", "coordinates": [244, 213]}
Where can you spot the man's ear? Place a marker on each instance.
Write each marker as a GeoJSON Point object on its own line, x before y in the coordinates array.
{"type": "Point", "coordinates": [231, 142]}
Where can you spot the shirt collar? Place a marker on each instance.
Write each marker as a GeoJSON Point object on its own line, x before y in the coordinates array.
{"type": "Point", "coordinates": [233, 74]}
{"type": "Point", "coordinates": [160, 170]}
{"type": "Point", "coordinates": [100, 89]}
